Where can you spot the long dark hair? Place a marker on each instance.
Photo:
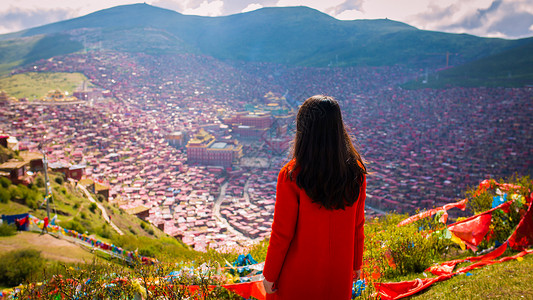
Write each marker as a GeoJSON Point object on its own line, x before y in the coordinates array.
{"type": "Point", "coordinates": [330, 168]}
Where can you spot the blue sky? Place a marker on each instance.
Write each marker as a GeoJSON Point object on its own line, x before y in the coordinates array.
{"type": "Point", "coordinates": [488, 18]}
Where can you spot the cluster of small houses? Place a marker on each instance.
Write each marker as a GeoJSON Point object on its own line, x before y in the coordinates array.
{"type": "Point", "coordinates": [423, 147]}
{"type": "Point", "coordinates": [143, 174]}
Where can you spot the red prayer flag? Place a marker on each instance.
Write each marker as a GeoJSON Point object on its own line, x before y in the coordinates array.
{"type": "Point", "coordinates": [246, 290]}
{"type": "Point", "coordinates": [397, 290]}
{"type": "Point", "coordinates": [522, 237]}
{"type": "Point", "coordinates": [472, 231]}
{"type": "Point", "coordinates": [460, 204]}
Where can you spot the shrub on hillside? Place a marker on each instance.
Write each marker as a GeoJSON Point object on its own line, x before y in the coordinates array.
{"type": "Point", "coordinates": [73, 225]}
{"type": "Point", "coordinates": [39, 181]}
{"type": "Point", "coordinates": [7, 229]}
{"type": "Point", "coordinates": [391, 250]}
{"type": "Point", "coordinates": [502, 223]}
{"type": "Point", "coordinates": [105, 232]}
{"type": "Point", "coordinates": [100, 197]}
{"type": "Point", "coordinates": [5, 182]}
{"type": "Point", "coordinates": [109, 282]}
{"type": "Point", "coordinates": [411, 251]}
{"type": "Point", "coordinates": [16, 193]}
{"type": "Point", "coordinates": [19, 266]}
{"type": "Point", "coordinates": [92, 207]}
{"type": "Point", "coordinates": [147, 228]}
{"type": "Point", "coordinates": [20, 193]}
{"type": "Point", "coordinates": [144, 225]}
{"type": "Point", "coordinates": [5, 195]}
{"type": "Point", "coordinates": [59, 180]}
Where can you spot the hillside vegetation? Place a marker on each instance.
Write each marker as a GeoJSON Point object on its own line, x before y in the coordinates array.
{"type": "Point", "coordinates": [75, 212]}
{"type": "Point", "coordinates": [511, 68]}
{"type": "Point", "coordinates": [22, 51]}
{"type": "Point", "coordinates": [392, 253]}
{"type": "Point", "coordinates": [36, 85]}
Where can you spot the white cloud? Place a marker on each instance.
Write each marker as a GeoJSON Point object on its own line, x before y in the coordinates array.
{"type": "Point", "coordinates": [210, 9]}
{"type": "Point", "coordinates": [524, 5]}
{"type": "Point", "coordinates": [322, 5]}
{"type": "Point", "coordinates": [80, 7]}
{"type": "Point", "coordinates": [252, 6]}
{"type": "Point", "coordinates": [16, 19]}
{"type": "Point", "coordinates": [498, 18]}
{"type": "Point", "coordinates": [511, 18]}
{"type": "Point", "coordinates": [350, 14]}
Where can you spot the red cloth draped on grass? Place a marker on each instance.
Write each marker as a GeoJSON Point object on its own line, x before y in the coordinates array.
{"type": "Point", "coordinates": [397, 290]}
{"type": "Point", "coordinates": [483, 186]}
{"type": "Point", "coordinates": [521, 238]}
{"type": "Point", "coordinates": [447, 267]}
{"type": "Point", "coordinates": [246, 290]}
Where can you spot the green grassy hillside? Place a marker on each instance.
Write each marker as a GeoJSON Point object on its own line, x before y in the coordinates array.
{"type": "Point", "coordinates": [511, 68]}
{"type": "Point", "coordinates": [392, 253]}
{"type": "Point", "coordinates": [35, 85]}
{"type": "Point", "coordinates": [509, 280]}
{"type": "Point", "coordinates": [21, 51]}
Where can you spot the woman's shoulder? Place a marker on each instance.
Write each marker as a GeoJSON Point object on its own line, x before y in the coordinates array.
{"type": "Point", "coordinates": [288, 167]}
{"type": "Point", "coordinates": [287, 171]}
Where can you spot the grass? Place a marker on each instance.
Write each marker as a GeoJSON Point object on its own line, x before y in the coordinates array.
{"type": "Point", "coordinates": [511, 68]}
{"type": "Point", "coordinates": [33, 85]}
{"type": "Point", "coordinates": [20, 51]}
{"type": "Point", "coordinates": [50, 247]}
{"type": "Point", "coordinates": [73, 211]}
{"type": "Point", "coordinates": [13, 208]}
{"type": "Point", "coordinates": [12, 52]}
{"type": "Point", "coordinates": [508, 280]}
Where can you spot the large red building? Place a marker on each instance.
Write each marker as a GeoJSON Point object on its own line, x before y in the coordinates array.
{"type": "Point", "coordinates": [261, 120]}
{"type": "Point", "coordinates": [248, 124]}
{"type": "Point", "coordinates": [203, 149]}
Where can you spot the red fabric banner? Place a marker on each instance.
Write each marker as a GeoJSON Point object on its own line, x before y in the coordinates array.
{"type": "Point", "coordinates": [460, 204]}
{"type": "Point", "coordinates": [491, 183]}
{"type": "Point", "coordinates": [246, 289]}
{"type": "Point", "coordinates": [447, 267]}
{"type": "Point", "coordinates": [522, 237]}
{"type": "Point", "coordinates": [472, 231]}
{"type": "Point", "coordinates": [397, 290]}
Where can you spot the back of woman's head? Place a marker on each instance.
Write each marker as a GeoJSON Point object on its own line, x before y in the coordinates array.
{"type": "Point", "coordinates": [330, 169]}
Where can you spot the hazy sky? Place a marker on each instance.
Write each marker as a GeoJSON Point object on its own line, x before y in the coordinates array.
{"type": "Point", "coordinates": [488, 18]}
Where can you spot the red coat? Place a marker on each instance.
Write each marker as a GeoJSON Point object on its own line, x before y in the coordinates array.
{"type": "Point", "coordinates": [313, 251]}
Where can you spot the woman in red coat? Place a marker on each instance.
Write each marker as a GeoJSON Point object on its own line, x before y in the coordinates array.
{"type": "Point", "coordinates": [316, 245]}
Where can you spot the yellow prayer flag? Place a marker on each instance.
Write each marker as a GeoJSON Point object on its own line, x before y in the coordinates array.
{"type": "Point", "coordinates": [458, 241]}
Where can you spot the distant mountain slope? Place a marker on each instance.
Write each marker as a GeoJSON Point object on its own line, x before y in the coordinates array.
{"type": "Point", "coordinates": [21, 51]}
{"type": "Point", "coordinates": [509, 68]}
{"type": "Point", "coordinates": [289, 35]}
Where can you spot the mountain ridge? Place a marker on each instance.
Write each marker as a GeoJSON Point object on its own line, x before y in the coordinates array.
{"type": "Point", "coordinates": [298, 36]}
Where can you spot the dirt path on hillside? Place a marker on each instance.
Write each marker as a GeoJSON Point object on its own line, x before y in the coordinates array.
{"type": "Point", "coordinates": [50, 247]}
{"type": "Point", "coordinates": [102, 209]}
